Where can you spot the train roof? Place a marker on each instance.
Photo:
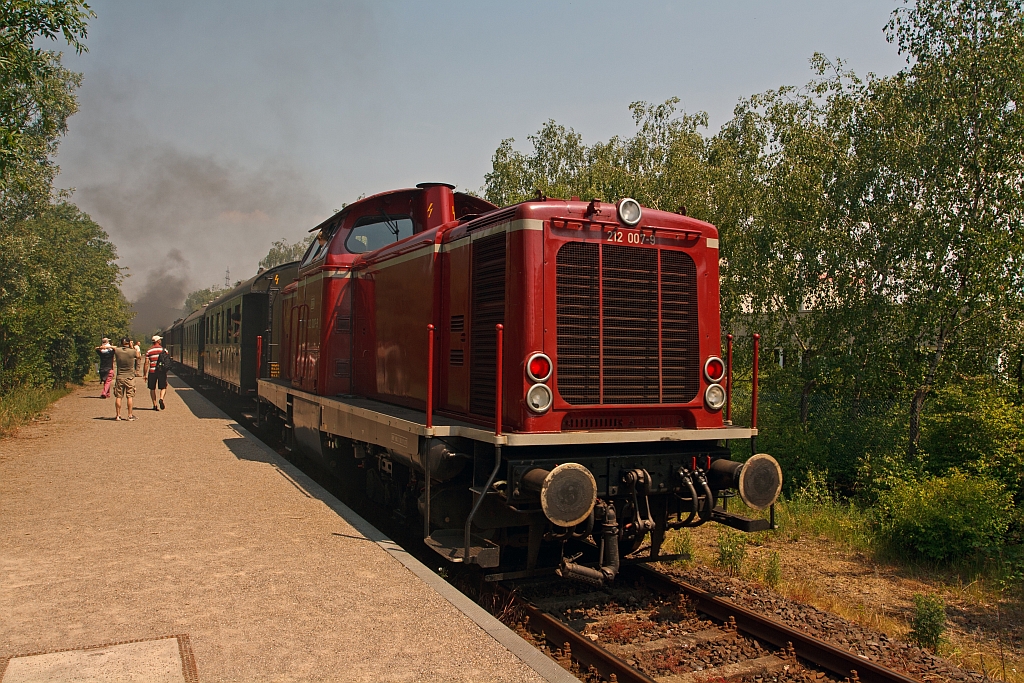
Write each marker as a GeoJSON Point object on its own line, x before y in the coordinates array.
{"type": "Point", "coordinates": [261, 282]}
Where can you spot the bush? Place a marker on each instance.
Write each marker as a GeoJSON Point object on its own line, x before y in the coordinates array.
{"type": "Point", "coordinates": [945, 519]}
{"type": "Point", "coordinates": [732, 550]}
{"type": "Point", "coordinates": [773, 570]}
{"type": "Point", "coordinates": [929, 621]}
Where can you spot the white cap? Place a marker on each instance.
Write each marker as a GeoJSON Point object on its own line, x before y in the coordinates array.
{"type": "Point", "coordinates": [157, 337]}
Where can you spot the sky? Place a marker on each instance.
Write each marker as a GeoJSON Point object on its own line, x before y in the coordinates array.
{"type": "Point", "coordinates": [208, 129]}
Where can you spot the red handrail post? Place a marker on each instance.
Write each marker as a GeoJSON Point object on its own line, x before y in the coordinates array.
{"type": "Point", "coordinates": [430, 376]}
{"type": "Point", "coordinates": [728, 379]}
{"type": "Point", "coordinates": [753, 393]}
{"type": "Point", "coordinates": [499, 328]}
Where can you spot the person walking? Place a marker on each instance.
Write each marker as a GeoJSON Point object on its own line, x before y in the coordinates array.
{"type": "Point", "coordinates": [126, 358]}
{"type": "Point", "coordinates": [106, 354]}
{"type": "Point", "coordinates": [157, 363]}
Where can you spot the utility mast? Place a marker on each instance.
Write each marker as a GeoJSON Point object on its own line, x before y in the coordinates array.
{"type": "Point", "coordinates": [227, 278]}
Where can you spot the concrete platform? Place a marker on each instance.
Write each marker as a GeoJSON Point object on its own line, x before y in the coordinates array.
{"type": "Point", "coordinates": [125, 542]}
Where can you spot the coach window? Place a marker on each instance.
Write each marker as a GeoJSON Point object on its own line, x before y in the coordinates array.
{"type": "Point", "coordinates": [374, 232]}
{"type": "Point", "coordinates": [236, 323]}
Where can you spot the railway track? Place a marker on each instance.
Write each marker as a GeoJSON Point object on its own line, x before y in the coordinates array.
{"type": "Point", "coordinates": [654, 628]}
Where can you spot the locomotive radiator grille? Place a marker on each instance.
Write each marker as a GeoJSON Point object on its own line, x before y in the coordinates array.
{"type": "Point", "coordinates": [680, 342]}
{"type": "Point", "coordinates": [579, 339]}
{"type": "Point", "coordinates": [488, 310]}
{"type": "Point", "coordinates": [629, 278]}
{"type": "Point", "coordinates": [608, 329]}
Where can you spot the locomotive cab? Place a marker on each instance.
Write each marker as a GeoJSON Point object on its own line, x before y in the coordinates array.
{"type": "Point", "coordinates": [519, 378]}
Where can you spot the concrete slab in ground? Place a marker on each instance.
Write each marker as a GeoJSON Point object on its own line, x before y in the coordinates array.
{"type": "Point", "coordinates": [148, 661]}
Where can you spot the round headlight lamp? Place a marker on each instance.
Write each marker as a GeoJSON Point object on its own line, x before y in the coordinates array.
{"type": "Point", "coordinates": [539, 398]}
{"type": "Point", "coordinates": [629, 211]}
{"type": "Point", "coordinates": [714, 397]}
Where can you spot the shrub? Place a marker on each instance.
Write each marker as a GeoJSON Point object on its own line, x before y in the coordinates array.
{"type": "Point", "coordinates": [732, 550]}
{"type": "Point", "coordinates": [773, 570]}
{"type": "Point", "coordinates": [945, 519]}
{"type": "Point", "coordinates": [929, 621]}
{"type": "Point", "coordinates": [680, 543]}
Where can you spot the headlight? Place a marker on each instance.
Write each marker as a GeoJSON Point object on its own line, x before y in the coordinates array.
{"type": "Point", "coordinates": [538, 367]}
{"type": "Point", "coordinates": [714, 397]}
{"type": "Point", "coordinates": [629, 211]}
{"type": "Point", "coordinates": [539, 398]}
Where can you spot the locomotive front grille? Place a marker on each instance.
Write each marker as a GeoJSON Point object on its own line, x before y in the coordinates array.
{"type": "Point", "coordinates": [611, 347]}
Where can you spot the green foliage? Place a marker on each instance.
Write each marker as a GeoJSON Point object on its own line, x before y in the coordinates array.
{"type": "Point", "coordinates": [58, 295]}
{"type": "Point", "coordinates": [929, 621]}
{"type": "Point", "coordinates": [36, 98]}
{"type": "Point", "coordinates": [59, 282]}
{"type": "Point", "coordinates": [199, 298]}
{"type": "Point", "coordinates": [973, 427]}
{"type": "Point", "coordinates": [732, 551]}
{"type": "Point", "coordinates": [284, 252]}
{"type": "Point", "coordinates": [945, 519]}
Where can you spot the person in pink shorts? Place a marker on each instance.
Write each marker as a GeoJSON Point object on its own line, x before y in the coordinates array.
{"type": "Point", "coordinates": [106, 354]}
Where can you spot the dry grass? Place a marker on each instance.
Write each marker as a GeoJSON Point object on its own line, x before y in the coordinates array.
{"type": "Point", "coordinates": [830, 561]}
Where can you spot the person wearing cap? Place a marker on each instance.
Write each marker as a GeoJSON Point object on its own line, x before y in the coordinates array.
{"type": "Point", "coordinates": [124, 386]}
{"type": "Point", "coordinates": [106, 354]}
{"type": "Point", "coordinates": [156, 378]}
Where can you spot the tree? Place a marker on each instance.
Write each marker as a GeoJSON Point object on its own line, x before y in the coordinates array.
{"type": "Point", "coordinates": [284, 252]}
{"type": "Point", "coordinates": [62, 297]}
{"type": "Point", "coordinates": [199, 298]}
{"type": "Point", "coordinates": [36, 97]}
{"type": "Point", "coordinates": [958, 155]}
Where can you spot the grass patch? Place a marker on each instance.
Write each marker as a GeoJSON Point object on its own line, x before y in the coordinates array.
{"type": "Point", "coordinates": [24, 403]}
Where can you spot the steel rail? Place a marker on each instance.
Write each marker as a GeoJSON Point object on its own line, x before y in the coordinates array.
{"type": "Point", "coordinates": [814, 650]}
{"type": "Point", "coordinates": [583, 650]}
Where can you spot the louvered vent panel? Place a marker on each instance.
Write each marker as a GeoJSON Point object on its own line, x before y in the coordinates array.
{"type": "Point", "coordinates": [456, 357]}
{"type": "Point", "coordinates": [630, 306]}
{"type": "Point", "coordinates": [680, 346]}
{"type": "Point", "coordinates": [458, 323]}
{"type": "Point", "coordinates": [488, 310]}
{"type": "Point", "coordinates": [578, 333]}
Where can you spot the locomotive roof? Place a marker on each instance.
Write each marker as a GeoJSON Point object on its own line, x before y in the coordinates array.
{"type": "Point", "coordinates": [249, 285]}
{"type": "Point", "coordinates": [334, 218]}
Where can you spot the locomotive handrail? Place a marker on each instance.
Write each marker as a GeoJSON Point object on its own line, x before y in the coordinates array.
{"type": "Point", "coordinates": [753, 395]}
{"type": "Point", "coordinates": [430, 376]}
{"type": "Point", "coordinates": [728, 379]}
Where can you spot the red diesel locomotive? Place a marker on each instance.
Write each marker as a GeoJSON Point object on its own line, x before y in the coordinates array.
{"type": "Point", "coordinates": [517, 377]}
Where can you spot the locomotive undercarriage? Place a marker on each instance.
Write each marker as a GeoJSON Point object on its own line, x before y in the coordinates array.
{"type": "Point", "coordinates": [639, 492]}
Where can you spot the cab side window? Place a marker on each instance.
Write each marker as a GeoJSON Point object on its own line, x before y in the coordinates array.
{"type": "Point", "coordinates": [374, 232]}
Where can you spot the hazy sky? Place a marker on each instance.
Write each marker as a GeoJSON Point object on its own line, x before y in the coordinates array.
{"type": "Point", "coordinates": [209, 129]}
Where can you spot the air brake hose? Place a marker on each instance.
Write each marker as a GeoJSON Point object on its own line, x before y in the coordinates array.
{"type": "Point", "coordinates": [694, 503]}
{"type": "Point", "coordinates": [709, 500]}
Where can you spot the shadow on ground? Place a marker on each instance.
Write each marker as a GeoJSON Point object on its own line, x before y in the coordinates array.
{"type": "Point", "coordinates": [199, 406]}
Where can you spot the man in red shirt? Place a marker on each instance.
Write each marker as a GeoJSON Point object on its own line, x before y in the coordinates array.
{"type": "Point", "coordinates": [157, 371]}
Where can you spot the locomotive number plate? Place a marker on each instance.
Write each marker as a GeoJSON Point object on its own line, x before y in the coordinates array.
{"type": "Point", "coordinates": [629, 237]}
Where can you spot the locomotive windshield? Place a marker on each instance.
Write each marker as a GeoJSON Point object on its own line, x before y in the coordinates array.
{"type": "Point", "coordinates": [374, 232]}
